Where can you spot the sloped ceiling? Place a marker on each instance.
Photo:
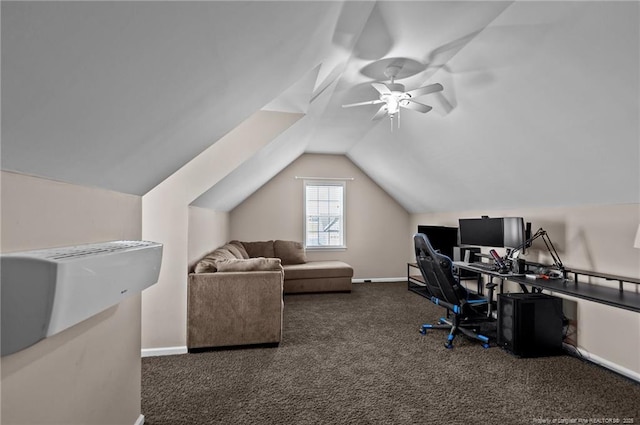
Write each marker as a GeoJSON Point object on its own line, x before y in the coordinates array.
{"type": "Point", "coordinates": [122, 94]}
{"type": "Point", "coordinates": [540, 105]}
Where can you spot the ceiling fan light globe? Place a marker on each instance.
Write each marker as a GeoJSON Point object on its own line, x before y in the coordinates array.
{"type": "Point", "coordinates": [392, 105]}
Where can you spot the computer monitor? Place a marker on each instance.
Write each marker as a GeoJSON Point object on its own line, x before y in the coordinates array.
{"type": "Point", "coordinates": [502, 232]}
{"type": "Point", "coordinates": [442, 238]}
{"type": "Point", "coordinates": [514, 232]}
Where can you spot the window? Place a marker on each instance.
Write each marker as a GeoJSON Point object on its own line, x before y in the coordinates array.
{"type": "Point", "coordinates": [324, 214]}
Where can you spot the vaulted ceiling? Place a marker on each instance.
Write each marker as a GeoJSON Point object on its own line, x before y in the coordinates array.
{"type": "Point", "coordinates": [540, 104]}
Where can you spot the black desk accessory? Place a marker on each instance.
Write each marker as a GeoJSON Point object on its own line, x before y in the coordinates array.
{"type": "Point", "coordinates": [540, 233]}
{"type": "Point", "coordinates": [518, 266]}
{"type": "Point", "coordinates": [500, 264]}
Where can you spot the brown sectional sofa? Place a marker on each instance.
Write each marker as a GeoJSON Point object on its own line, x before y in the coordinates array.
{"type": "Point", "coordinates": [234, 309]}
{"type": "Point", "coordinates": [235, 293]}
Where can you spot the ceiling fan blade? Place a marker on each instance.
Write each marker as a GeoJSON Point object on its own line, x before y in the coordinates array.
{"type": "Point", "coordinates": [368, 102]}
{"type": "Point", "coordinates": [416, 106]}
{"type": "Point", "coordinates": [381, 113]}
{"type": "Point", "coordinates": [382, 89]}
{"type": "Point", "coordinates": [421, 91]}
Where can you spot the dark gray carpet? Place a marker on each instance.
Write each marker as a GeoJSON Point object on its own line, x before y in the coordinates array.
{"type": "Point", "coordinates": [359, 359]}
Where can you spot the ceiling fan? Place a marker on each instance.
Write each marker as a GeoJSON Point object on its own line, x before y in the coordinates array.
{"type": "Point", "coordinates": [393, 97]}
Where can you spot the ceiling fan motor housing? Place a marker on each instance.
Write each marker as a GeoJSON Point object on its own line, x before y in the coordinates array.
{"type": "Point", "coordinates": [396, 87]}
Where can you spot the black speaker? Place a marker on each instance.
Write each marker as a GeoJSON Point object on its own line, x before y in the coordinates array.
{"type": "Point", "coordinates": [460, 254]}
{"type": "Point", "coordinates": [518, 266]}
{"type": "Point", "coordinates": [467, 255]}
{"type": "Point", "coordinates": [530, 325]}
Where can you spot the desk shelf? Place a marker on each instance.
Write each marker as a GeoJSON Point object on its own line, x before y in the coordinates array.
{"type": "Point", "coordinates": [615, 297]}
{"type": "Point", "coordinates": [415, 282]}
{"type": "Point", "coordinates": [621, 279]}
{"type": "Point", "coordinates": [627, 300]}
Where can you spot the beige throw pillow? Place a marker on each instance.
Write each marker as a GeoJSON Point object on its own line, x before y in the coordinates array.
{"type": "Point", "coordinates": [259, 249]}
{"type": "Point", "coordinates": [240, 247]}
{"type": "Point", "coordinates": [209, 263]}
{"type": "Point", "coordinates": [249, 265]}
{"type": "Point", "coordinates": [234, 250]}
{"type": "Point", "coordinates": [290, 252]}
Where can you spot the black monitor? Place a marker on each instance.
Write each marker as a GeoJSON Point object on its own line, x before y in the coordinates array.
{"type": "Point", "coordinates": [502, 232]}
{"type": "Point", "coordinates": [442, 238]}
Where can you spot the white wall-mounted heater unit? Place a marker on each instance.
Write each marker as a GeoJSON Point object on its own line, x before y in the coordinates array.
{"type": "Point", "coordinates": [46, 291]}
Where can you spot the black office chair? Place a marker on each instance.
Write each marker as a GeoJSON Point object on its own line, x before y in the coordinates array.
{"type": "Point", "coordinates": [467, 313]}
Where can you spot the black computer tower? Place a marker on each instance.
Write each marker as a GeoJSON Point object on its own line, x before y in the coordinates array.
{"type": "Point", "coordinates": [530, 325]}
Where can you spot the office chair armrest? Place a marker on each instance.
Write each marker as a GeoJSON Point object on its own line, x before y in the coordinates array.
{"type": "Point", "coordinates": [437, 301]}
{"type": "Point", "coordinates": [490, 286]}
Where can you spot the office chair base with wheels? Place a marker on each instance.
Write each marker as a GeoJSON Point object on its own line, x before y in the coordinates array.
{"type": "Point", "coordinates": [471, 330]}
{"type": "Point", "coordinates": [468, 313]}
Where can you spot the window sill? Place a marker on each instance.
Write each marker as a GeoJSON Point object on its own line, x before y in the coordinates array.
{"type": "Point", "coordinates": [325, 248]}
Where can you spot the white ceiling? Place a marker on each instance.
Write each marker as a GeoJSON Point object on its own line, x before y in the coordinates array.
{"type": "Point", "coordinates": [540, 104]}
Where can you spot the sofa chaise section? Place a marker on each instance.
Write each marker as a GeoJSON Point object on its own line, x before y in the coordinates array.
{"type": "Point", "coordinates": [300, 275]}
{"type": "Point", "coordinates": [317, 276]}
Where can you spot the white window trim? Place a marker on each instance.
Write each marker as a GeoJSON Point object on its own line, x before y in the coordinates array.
{"type": "Point", "coordinates": [325, 182]}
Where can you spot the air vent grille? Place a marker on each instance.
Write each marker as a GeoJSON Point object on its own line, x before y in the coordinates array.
{"type": "Point", "coordinates": [79, 251]}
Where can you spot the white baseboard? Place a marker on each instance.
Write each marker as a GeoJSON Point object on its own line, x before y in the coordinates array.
{"type": "Point", "coordinates": [140, 420]}
{"type": "Point", "coordinates": [631, 374]}
{"type": "Point", "coordinates": [163, 351]}
{"type": "Point", "coordinates": [380, 279]}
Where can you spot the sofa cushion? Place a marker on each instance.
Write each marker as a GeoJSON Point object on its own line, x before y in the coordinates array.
{"type": "Point", "coordinates": [317, 269]}
{"type": "Point", "coordinates": [208, 263]}
{"type": "Point", "coordinates": [249, 265]}
{"type": "Point", "coordinates": [234, 250]}
{"type": "Point", "coordinates": [240, 247]}
{"type": "Point", "coordinates": [290, 252]}
{"type": "Point", "coordinates": [259, 249]}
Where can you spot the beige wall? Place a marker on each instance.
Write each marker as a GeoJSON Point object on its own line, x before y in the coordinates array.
{"type": "Point", "coordinates": [208, 230]}
{"type": "Point", "coordinates": [165, 219]}
{"type": "Point", "coordinates": [376, 225]}
{"type": "Point", "coordinates": [598, 238]}
{"type": "Point", "coordinates": [89, 373]}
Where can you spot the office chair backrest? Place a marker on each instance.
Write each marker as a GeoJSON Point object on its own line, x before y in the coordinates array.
{"type": "Point", "coordinates": [437, 271]}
